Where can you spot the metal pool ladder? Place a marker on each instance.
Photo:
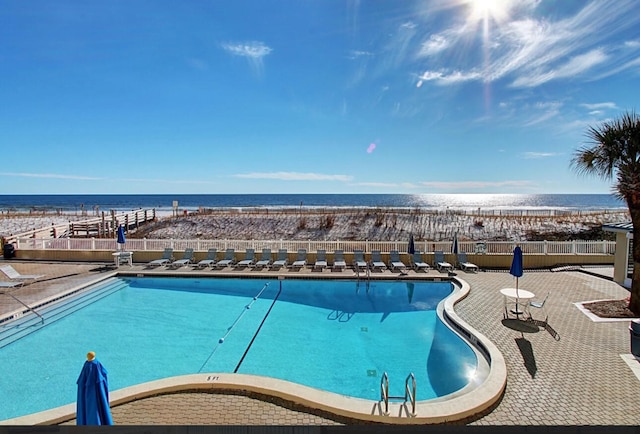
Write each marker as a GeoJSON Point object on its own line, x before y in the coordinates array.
{"type": "Point", "coordinates": [409, 393]}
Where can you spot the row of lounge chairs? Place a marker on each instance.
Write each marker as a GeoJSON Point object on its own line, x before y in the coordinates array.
{"type": "Point", "coordinates": [376, 263]}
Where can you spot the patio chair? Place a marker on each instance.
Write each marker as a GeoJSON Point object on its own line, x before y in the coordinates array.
{"type": "Point", "coordinates": [249, 259]}
{"type": "Point", "coordinates": [417, 263]}
{"type": "Point", "coordinates": [13, 274]}
{"type": "Point", "coordinates": [338, 260]}
{"type": "Point", "coordinates": [301, 259]}
{"type": "Point", "coordinates": [464, 263]}
{"type": "Point", "coordinates": [539, 305]}
{"type": "Point", "coordinates": [187, 258]}
{"type": "Point", "coordinates": [376, 261]}
{"type": "Point", "coordinates": [358, 260]}
{"type": "Point", "coordinates": [167, 257]}
{"type": "Point", "coordinates": [395, 264]}
{"type": "Point", "coordinates": [281, 259]}
{"type": "Point", "coordinates": [265, 259]}
{"type": "Point", "coordinates": [321, 260]}
{"type": "Point", "coordinates": [228, 260]}
{"type": "Point", "coordinates": [440, 263]}
{"type": "Point", "coordinates": [210, 260]}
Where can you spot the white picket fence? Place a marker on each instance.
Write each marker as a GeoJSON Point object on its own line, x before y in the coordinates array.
{"type": "Point", "coordinates": [490, 247]}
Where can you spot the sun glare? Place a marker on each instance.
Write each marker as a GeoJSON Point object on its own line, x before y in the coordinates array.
{"type": "Point", "coordinates": [483, 10]}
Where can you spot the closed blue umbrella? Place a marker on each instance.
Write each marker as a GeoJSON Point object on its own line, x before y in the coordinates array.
{"type": "Point", "coordinates": [454, 249]}
{"type": "Point", "coordinates": [92, 407]}
{"type": "Point", "coordinates": [411, 249]}
{"type": "Point", "coordinates": [121, 238]}
{"type": "Point", "coordinates": [516, 270]}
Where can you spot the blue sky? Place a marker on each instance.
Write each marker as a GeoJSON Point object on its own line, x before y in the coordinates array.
{"type": "Point", "coordinates": [309, 96]}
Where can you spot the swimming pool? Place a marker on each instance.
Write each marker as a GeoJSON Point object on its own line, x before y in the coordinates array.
{"type": "Point", "coordinates": [334, 335]}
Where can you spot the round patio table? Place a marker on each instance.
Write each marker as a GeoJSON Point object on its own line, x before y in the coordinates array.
{"type": "Point", "coordinates": [511, 294]}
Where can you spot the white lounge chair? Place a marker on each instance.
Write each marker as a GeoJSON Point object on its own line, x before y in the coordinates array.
{"type": "Point", "coordinates": [281, 260]}
{"type": "Point", "coordinates": [321, 260]}
{"type": "Point", "coordinates": [210, 260]}
{"type": "Point", "coordinates": [11, 284]}
{"type": "Point", "coordinates": [338, 260]}
{"type": "Point", "coordinates": [376, 261]}
{"type": "Point", "coordinates": [249, 258]}
{"type": "Point", "coordinates": [167, 256]}
{"type": "Point", "coordinates": [417, 262]}
{"type": "Point", "coordinates": [13, 274]}
{"type": "Point", "coordinates": [301, 259]}
{"type": "Point", "coordinates": [265, 259]}
{"type": "Point", "coordinates": [440, 263]}
{"type": "Point", "coordinates": [464, 263]}
{"type": "Point", "coordinates": [358, 260]}
{"type": "Point", "coordinates": [228, 260]}
{"type": "Point", "coordinates": [187, 258]}
{"type": "Point", "coordinates": [395, 264]}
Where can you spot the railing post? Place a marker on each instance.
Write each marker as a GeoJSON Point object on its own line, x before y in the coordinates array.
{"type": "Point", "coordinates": [544, 247]}
{"type": "Point", "coordinates": [93, 243]}
{"type": "Point", "coordinates": [573, 247]}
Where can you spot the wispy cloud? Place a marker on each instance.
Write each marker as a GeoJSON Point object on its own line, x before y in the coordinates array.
{"type": "Point", "coordinates": [600, 106]}
{"type": "Point", "coordinates": [294, 176]}
{"type": "Point", "coordinates": [530, 51]}
{"type": "Point", "coordinates": [404, 185]}
{"type": "Point", "coordinates": [50, 176]}
{"type": "Point", "coordinates": [253, 51]}
{"type": "Point", "coordinates": [535, 155]}
{"type": "Point", "coordinates": [473, 185]}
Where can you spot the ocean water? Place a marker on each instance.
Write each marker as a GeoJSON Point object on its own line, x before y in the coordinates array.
{"type": "Point", "coordinates": [126, 202]}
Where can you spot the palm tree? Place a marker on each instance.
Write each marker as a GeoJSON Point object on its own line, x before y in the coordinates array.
{"type": "Point", "coordinates": [614, 153]}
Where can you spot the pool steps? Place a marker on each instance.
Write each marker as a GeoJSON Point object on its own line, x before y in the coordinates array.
{"type": "Point", "coordinates": [32, 318]}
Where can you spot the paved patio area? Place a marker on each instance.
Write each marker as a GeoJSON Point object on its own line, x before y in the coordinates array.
{"type": "Point", "coordinates": [576, 371]}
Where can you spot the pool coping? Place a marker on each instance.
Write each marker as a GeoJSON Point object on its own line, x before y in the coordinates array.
{"type": "Point", "coordinates": [451, 408]}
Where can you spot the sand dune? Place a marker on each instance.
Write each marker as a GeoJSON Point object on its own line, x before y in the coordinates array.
{"type": "Point", "coordinates": [343, 224]}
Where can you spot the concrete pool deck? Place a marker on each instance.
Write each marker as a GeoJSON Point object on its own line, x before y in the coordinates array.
{"type": "Point", "coordinates": [576, 371]}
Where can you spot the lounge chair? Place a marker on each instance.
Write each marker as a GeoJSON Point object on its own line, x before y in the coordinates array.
{"type": "Point", "coordinates": [167, 256]}
{"type": "Point", "coordinates": [187, 258]}
{"type": "Point", "coordinates": [464, 264]}
{"type": "Point", "coordinates": [210, 260]}
{"type": "Point", "coordinates": [338, 260]}
{"type": "Point", "coordinates": [228, 260]}
{"type": "Point", "coordinates": [281, 259]}
{"type": "Point", "coordinates": [358, 260]}
{"type": "Point", "coordinates": [265, 259]}
{"type": "Point", "coordinates": [417, 263]}
{"type": "Point", "coordinates": [12, 274]}
{"type": "Point", "coordinates": [249, 259]}
{"type": "Point", "coordinates": [321, 260]}
{"type": "Point", "coordinates": [376, 261]}
{"type": "Point", "coordinates": [301, 259]}
{"type": "Point", "coordinates": [440, 263]}
{"type": "Point", "coordinates": [11, 284]}
{"type": "Point", "coordinates": [395, 264]}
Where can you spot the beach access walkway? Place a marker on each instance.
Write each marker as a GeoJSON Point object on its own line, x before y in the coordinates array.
{"type": "Point", "coordinates": [576, 371]}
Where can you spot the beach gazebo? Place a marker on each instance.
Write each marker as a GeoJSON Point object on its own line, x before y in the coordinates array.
{"type": "Point", "coordinates": [623, 260]}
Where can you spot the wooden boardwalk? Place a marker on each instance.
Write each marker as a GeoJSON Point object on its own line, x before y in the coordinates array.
{"type": "Point", "coordinates": [104, 226]}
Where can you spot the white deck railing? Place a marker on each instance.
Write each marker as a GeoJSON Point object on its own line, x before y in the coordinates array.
{"type": "Point", "coordinates": [489, 247]}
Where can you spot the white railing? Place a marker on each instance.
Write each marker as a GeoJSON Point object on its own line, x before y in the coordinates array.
{"type": "Point", "coordinates": [489, 247]}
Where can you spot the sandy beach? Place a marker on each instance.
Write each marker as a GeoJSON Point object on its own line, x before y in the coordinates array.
{"type": "Point", "coordinates": [383, 224]}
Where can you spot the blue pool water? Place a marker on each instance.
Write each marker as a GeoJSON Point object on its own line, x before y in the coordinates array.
{"type": "Point", "coordinates": [338, 336]}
